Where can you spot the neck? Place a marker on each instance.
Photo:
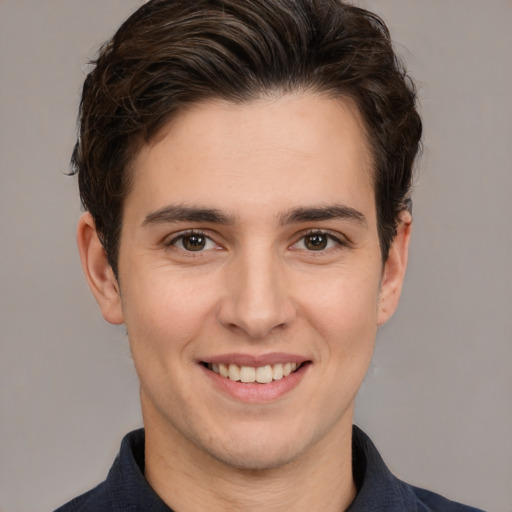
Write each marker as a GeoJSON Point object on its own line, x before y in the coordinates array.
{"type": "Point", "coordinates": [188, 480]}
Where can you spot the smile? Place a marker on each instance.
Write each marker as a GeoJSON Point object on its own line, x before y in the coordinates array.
{"type": "Point", "coordinates": [250, 374]}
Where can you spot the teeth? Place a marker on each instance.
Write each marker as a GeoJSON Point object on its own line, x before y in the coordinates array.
{"type": "Point", "coordinates": [264, 374]}
{"type": "Point", "coordinates": [234, 372]}
{"type": "Point", "coordinates": [223, 369]}
{"type": "Point", "coordinates": [248, 374]}
{"type": "Point", "coordinates": [277, 371]}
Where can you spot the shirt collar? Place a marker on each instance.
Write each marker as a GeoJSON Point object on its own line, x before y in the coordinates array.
{"type": "Point", "coordinates": [378, 488]}
{"type": "Point", "coordinates": [127, 487]}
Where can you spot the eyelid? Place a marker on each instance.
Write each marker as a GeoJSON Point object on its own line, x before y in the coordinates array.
{"type": "Point", "coordinates": [337, 238]}
{"type": "Point", "coordinates": [171, 240]}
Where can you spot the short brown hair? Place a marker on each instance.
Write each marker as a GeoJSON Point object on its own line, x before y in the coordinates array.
{"type": "Point", "coordinates": [172, 53]}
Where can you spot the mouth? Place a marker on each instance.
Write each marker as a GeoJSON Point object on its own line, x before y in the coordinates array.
{"type": "Point", "coordinates": [255, 374]}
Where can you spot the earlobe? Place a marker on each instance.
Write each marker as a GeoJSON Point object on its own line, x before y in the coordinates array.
{"type": "Point", "coordinates": [394, 270]}
{"type": "Point", "coordinates": [98, 271]}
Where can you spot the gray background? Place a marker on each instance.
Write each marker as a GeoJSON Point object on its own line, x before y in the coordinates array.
{"type": "Point", "coordinates": [438, 398]}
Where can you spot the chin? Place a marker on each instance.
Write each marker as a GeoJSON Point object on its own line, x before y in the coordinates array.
{"type": "Point", "coordinates": [260, 458]}
{"type": "Point", "coordinates": [259, 451]}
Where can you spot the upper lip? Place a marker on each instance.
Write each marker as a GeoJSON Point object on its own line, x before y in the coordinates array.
{"type": "Point", "coordinates": [256, 360]}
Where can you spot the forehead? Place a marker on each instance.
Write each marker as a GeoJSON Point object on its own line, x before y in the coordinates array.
{"type": "Point", "coordinates": [289, 150]}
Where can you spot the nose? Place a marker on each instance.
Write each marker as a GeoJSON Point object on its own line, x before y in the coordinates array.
{"type": "Point", "coordinates": [257, 299]}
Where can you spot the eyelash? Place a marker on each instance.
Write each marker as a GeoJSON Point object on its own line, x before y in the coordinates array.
{"type": "Point", "coordinates": [192, 232]}
{"type": "Point", "coordinates": [189, 233]}
{"type": "Point", "coordinates": [330, 238]}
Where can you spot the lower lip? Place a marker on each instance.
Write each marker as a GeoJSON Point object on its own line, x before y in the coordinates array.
{"type": "Point", "coordinates": [255, 392]}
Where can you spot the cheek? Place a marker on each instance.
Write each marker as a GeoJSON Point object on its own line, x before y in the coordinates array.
{"type": "Point", "coordinates": [165, 313]}
{"type": "Point", "coordinates": [343, 310]}
{"type": "Point", "coordinates": [343, 299]}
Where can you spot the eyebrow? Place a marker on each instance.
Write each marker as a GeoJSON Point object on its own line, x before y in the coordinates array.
{"type": "Point", "coordinates": [330, 212]}
{"type": "Point", "coordinates": [177, 213]}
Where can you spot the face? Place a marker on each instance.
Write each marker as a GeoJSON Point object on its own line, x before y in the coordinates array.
{"type": "Point", "coordinates": [250, 278]}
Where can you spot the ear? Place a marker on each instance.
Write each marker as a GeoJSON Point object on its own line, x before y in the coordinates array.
{"type": "Point", "coordinates": [98, 271]}
{"type": "Point", "coordinates": [394, 270]}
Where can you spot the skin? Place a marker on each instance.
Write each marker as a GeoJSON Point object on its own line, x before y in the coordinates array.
{"type": "Point", "coordinates": [257, 288]}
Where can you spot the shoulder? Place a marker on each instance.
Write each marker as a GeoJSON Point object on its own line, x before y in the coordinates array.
{"type": "Point", "coordinates": [428, 501]}
{"type": "Point", "coordinates": [95, 500]}
{"type": "Point", "coordinates": [124, 486]}
{"type": "Point", "coordinates": [379, 489]}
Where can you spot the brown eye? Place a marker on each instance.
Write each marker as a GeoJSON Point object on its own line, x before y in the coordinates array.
{"type": "Point", "coordinates": [194, 242]}
{"type": "Point", "coordinates": [316, 241]}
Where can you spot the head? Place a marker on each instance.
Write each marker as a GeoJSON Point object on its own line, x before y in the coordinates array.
{"type": "Point", "coordinates": [246, 167]}
{"type": "Point", "coordinates": [170, 55]}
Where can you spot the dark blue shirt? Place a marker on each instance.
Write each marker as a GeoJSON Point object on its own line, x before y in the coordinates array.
{"type": "Point", "coordinates": [126, 489]}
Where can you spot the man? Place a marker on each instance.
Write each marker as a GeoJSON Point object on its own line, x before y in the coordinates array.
{"type": "Point", "coordinates": [245, 169]}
